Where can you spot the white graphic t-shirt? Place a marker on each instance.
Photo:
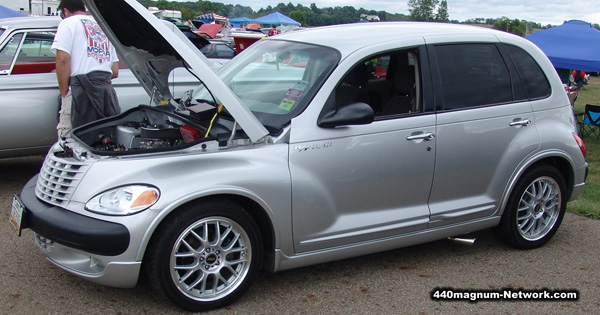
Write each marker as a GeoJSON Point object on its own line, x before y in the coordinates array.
{"type": "Point", "coordinates": [89, 49]}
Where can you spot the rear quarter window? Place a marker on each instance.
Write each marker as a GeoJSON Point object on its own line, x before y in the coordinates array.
{"type": "Point", "coordinates": [533, 77]}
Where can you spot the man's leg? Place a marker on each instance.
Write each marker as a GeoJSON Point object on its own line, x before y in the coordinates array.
{"type": "Point", "coordinates": [64, 118]}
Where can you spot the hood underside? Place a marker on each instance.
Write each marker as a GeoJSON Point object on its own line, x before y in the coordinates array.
{"type": "Point", "coordinates": [152, 49]}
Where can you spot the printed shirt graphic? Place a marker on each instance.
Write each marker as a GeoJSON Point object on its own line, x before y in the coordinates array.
{"type": "Point", "coordinates": [98, 44]}
{"type": "Point", "coordinates": [87, 45]}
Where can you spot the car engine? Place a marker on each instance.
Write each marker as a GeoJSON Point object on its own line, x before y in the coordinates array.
{"type": "Point", "coordinates": [145, 129]}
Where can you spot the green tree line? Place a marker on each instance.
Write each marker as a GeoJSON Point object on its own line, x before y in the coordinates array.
{"type": "Point", "coordinates": [419, 10]}
{"type": "Point", "coordinates": [308, 16]}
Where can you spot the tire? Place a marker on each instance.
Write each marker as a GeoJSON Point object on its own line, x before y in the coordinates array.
{"type": "Point", "coordinates": [205, 256]}
{"type": "Point", "coordinates": [535, 208]}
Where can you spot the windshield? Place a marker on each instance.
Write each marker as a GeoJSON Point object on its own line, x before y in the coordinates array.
{"type": "Point", "coordinates": [277, 79]}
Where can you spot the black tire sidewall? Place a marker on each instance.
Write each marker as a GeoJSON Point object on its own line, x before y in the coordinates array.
{"type": "Point", "coordinates": [159, 251]}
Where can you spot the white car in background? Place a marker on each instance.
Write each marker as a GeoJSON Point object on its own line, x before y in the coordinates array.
{"type": "Point", "coordinates": [29, 89]}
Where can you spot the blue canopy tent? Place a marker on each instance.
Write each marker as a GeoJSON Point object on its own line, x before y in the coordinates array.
{"type": "Point", "coordinates": [237, 22]}
{"type": "Point", "coordinates": [574, 45]}
{"type": "Point", "coordinates": [6, 12]}
{"type": "Point", "coordinates": [276, 18]}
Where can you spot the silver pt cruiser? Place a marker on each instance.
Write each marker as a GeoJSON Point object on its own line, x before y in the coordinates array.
{"type": "Point", "coordinates": [307, 147]}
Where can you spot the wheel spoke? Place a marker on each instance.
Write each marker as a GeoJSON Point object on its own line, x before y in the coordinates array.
{"type": "Point", "coordinates": [205, 235]}
{"type": "Point", "coordinates": [183, 278]}
{"type": "Point", "coordinates": [191, 266]}
{"type": "Point", "coordinates": [223, 236]}
{"type": "Point", "coordinates": [200, 239]}
{"type": "Point", "coordinates": [527, 225]}
{"type": "Point", "coordinates": [201, 280]}
{"type": "Point", "coordinates": [523, 213]}
{"type": "Point", "coordinates": [184, 255]}
{"type": "Point", "coordinates": [217, 235]}
{"type": "Point", "coordinates": [531, 194]}
{"type": "Point", "coordinates": [535, 227]}
{"type": "Point", "coordinates": [189, 247]}
{"type": "Point", "coordinates": [239, 260]}
{"type": "Point", "coordinates": [224, 281]}
{"type": "Point", "coordinates": [232, 243]}
{"type": "Point", "coordinates": [228, 265]}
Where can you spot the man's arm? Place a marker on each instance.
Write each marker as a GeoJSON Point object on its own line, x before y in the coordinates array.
{"type": "Point", "coordinates": [115, 70]}
{"type": "Point", "coordinates": [63, 71]}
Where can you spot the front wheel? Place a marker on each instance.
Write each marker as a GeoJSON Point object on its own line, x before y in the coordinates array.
{"type": "Point", "coordinates": [206, 256]}
{"type": "Point", "coordinates": [535, 208]}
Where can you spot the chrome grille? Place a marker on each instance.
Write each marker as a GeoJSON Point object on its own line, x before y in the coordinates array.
{"type": "Point", "coordinates": [58, 179]}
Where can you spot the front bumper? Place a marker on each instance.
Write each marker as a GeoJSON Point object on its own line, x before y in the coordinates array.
{"type": "Point", "coordinates": [72, 229]}
{"type": "Point", "coordinates": [81, 245]}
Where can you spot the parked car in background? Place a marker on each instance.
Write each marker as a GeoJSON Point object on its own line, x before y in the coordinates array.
{"type": "Point", "coordinates": [381, 67]}
{"type": "Point", "coordinates": [294, 154]}
{"type": "Point", "coordinates": [29, 89]}
{"type": "Point", "coordinates": [217, 49]}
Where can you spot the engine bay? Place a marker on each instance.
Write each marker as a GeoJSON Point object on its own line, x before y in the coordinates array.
{"type": "Point", "coordinates": [147, 129]}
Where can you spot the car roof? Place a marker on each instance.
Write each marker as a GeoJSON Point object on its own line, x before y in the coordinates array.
{"type": "Point", "coordinates": [348, 37]}
{"type": "Point", "coordinates": [30, 22]}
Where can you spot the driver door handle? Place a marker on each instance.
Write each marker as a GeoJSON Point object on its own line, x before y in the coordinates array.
{"type": "Point", "coordinates": [428, 136]}
{"type": "Point", "coordinates": [524, 122]}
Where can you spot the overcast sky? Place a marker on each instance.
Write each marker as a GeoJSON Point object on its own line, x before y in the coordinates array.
{"type": "Point", "coordinates": [553, 12]}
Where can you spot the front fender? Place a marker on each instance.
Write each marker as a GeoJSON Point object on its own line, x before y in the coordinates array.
{"type": "Point", "coordinates": [257, 173]}
{"type": "Point", "coordinates": [226, 193]}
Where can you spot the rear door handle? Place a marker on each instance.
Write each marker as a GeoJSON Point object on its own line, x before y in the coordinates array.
{"type": "Point", "coordinates": [428, 136]}
{"type": "Point", "coordinates": [524, 122]}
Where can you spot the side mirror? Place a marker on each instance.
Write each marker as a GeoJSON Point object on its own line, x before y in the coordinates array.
{"type": "Point", "coordinates": [352, 114]}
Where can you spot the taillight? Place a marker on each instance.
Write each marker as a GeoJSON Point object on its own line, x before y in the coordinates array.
{"type": "Point", "coordinates": [580, 144]}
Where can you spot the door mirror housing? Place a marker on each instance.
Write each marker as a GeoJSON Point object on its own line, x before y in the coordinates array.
{"type": "Point", "coordinates": [353, 114]}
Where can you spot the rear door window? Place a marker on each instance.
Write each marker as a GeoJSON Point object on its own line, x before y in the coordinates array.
{"type": "Point", "coordinates": [472, 75]}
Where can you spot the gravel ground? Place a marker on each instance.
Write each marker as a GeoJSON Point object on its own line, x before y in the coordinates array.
{"type": "Point", "coordinates": [392, 282]}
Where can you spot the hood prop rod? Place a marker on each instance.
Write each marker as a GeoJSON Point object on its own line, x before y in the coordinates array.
{"type": "Point", "coordinates": [230, 141]}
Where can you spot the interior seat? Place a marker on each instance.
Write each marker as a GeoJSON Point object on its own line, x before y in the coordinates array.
{"type": "Point", "coordinates": [353, 87]}
{"type": "Point", "coordinates": [403, 98]}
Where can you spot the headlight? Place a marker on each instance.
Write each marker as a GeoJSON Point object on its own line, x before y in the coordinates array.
{"type": "Point", "coordinates": [124, 200]}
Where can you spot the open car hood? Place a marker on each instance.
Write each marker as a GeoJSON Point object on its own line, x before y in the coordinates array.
{"type": "Point", "coordinates": [152, 50]}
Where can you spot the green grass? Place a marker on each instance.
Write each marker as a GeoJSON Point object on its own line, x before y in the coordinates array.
{"type": "Point", "coordinates": [588, 203]}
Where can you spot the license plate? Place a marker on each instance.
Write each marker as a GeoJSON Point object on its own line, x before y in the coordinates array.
{"type": "Point", "coordinates": [17, 212]}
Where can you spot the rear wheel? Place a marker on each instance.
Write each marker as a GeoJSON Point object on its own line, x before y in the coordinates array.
{"type": "Point", "coordinates": [535, 208]}
{"type": "Point", "coordinates": [207, 256]}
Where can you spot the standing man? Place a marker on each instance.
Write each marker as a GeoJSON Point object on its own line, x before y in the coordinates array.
{"type": "Point", "coordinates": [273, 31]}
{"type": "Point", "coordinates": [85, 63]}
